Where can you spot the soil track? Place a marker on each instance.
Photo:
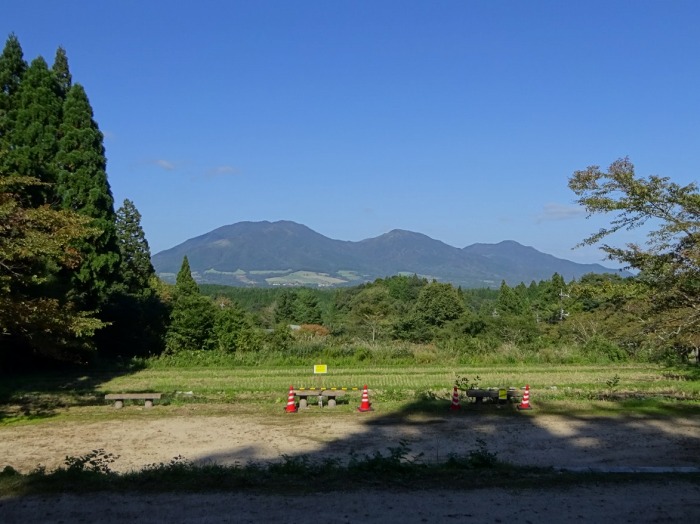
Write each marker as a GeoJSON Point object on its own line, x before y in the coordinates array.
{"type": "Point", "coordinates": [230, 437]}
{"type": "Point", "coordinates": [141, 437]}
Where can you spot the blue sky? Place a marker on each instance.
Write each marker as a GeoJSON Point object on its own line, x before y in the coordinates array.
{"type": "Point", "coordinates": [462, 120]}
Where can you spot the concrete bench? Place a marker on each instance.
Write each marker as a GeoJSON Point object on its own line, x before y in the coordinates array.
{"type": "Point", "coordinates": [119, 398]}
{"type": "Point", "coordinates": [330, 394]}
{"type": "Point", "coordinates": [501, 395]}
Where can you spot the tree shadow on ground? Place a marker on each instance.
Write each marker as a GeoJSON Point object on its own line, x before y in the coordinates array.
{"type": "Point", "coordinates": [42, 394]}
{"type": "Point", "coordinates": [432, 433]}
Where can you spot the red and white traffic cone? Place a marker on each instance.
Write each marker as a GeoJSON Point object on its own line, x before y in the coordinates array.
{"type": "Point", "coordinates": [365, 405]}
{"type": "Point", "coordinates": [455, 401]}
{"type": "Point", "coordinates": [291, 405]}
{"type": "Point", "coordinates": [525, 403]}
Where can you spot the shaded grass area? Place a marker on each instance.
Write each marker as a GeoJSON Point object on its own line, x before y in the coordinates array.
{"type": "Point", "coordinates": [40, 395]}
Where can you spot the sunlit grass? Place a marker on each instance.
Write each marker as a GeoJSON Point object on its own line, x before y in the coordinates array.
{"type": "Point", "coordinates": [639, 388]}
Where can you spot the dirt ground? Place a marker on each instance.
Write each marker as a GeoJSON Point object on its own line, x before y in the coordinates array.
{"type": "Point", "coordinates": [141, 437]}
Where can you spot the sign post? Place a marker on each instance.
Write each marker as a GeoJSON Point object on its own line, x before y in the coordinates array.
{"type": "Point", "coordinates": [320, 369]}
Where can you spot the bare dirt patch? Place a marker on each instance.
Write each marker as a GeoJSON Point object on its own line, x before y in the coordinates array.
{"type": "Point", "coordinates": [141, 437]}
{"type": "Point", "coordinates": [233, 436]}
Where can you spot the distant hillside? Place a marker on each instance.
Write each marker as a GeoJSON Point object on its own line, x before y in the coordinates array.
{"type": "Point", "coordinates": [286, 253]}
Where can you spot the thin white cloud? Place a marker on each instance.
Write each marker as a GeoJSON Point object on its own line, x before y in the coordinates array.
{"type": "Point", "coordinates": [194, 172]}
{"type": "Point", "coordinates": [222, 171]}
{"type": "Point", "coordinates": [556, 212]}
{"type": "Point", "coordinates": [165, 164]}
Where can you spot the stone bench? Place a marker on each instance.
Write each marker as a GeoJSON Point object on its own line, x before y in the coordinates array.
{"type": "Point", "coordinates": [330, 394]}
{"type": "Point", "coordinates": [501, 395]}
{"type": "Point", "coordinates": [119, 398]}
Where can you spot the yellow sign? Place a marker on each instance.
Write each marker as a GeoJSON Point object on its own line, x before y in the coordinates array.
{"type": "Point", "coordinates": [320, 369]}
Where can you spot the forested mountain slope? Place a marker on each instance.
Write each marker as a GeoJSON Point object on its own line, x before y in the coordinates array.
{"type": "Point", "coordinates": [287, 253]}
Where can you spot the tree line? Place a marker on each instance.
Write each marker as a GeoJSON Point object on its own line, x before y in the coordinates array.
{"type": "Point", "coordinates": [77, 284]}
{"type": "Point", "coordinates": [75, 275]}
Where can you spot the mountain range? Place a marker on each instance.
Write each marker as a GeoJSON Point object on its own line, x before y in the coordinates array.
{"type": "Point", "coordinates": [286, 253]}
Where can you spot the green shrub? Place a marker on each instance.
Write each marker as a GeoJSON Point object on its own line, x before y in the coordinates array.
{"type": "Point", "coordinates": [599, 347]}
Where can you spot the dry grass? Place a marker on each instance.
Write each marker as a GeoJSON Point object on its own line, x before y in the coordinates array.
{"type": "Point", "coordinates": [642, 388]}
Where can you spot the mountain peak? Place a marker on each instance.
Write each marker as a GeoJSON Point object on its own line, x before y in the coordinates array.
{"type": "Point", "coordinates": [277, 253]}
{"type": "Point", "coordinates": [401, 234]}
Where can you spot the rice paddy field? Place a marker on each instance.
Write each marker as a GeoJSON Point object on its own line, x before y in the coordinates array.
{"type": "Point", "coordinates": [554, 388]}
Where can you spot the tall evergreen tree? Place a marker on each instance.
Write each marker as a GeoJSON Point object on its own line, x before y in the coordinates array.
{"type": "Point", "coordinates": [136, 266]}
{"type": "Point", "coordinates": [509, 301]}
{"type": "Point", "coordinates": [83, 187]}
{"type": "Point", "coordinates": [12, 69]}
{"type": "Point", "coordinates": [192, 316]}
{"type": "Point", "coordinates": [307, 308]}
{"type": "Point", "coordinates": [32, 137]}
{"type": "Point", "coordinates": [12, 66]}
{"type": "Point", "coordinates": [136, 311]}
{"type": "Point", "coordinates": [548, 303]}
{"type": "Point", "coordinates": [184, 283]}
{"type": "Point", "coordinates": [285, 307]}
{"type": "Point", "coordinates": [62, 72]}
{"type": "Point", "coordinates": [47, 132]}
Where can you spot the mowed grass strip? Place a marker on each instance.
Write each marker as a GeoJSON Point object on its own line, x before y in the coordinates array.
{"type": "Point", "coordinates": [640, 387]}
{"type": "Point", "coordinates": [593, 389]}
{"type": "Point", "coordinates": [642, 378]}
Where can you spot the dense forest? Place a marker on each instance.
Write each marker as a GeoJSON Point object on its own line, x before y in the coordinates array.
{"type": "Point", "coordinates": [77, 284]}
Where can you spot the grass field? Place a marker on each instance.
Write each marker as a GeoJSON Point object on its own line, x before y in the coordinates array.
{"type": "Point", "coordinates": [643, 388]}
